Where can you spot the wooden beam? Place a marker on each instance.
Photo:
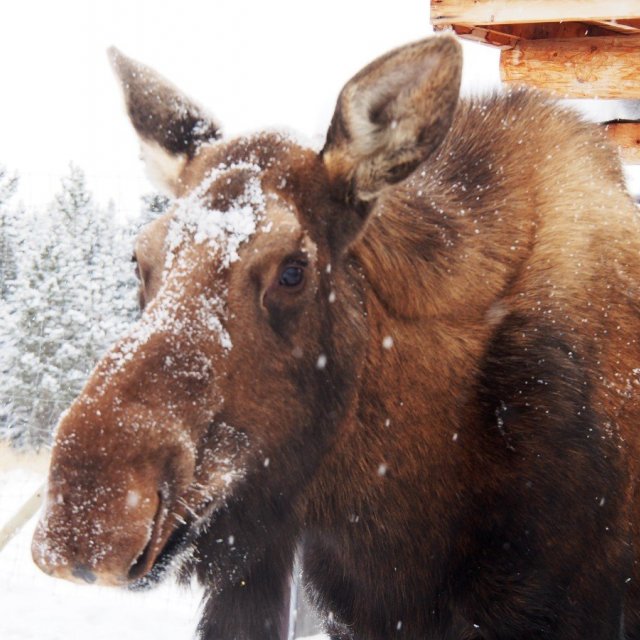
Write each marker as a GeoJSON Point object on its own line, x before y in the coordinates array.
{"type": "Point", "coordinates": [478, 12]}
{"type": "Point", "coordinates": [551, 30]}
{"type": "Point", "coordinates": [629, 26]}
{"type": "Point", "coordinates": [485, 36]}
{"type": "Point", "coordinates": [635, 23]}
{"type": "Point", "coordinates": [21, 517]}
{"type": "Point", "coordinates": [626, 134]}
{"type": "Point", "coordinates": [506, 36]}
{"type": "Point", "coordinates": [602, 67]}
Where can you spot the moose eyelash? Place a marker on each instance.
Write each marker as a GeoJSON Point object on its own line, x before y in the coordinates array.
{"type": "Point", "coordinates": [296, 261]}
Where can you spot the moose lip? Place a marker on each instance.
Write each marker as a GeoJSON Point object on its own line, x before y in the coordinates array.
{"type": "Point", "coordinates": [163, 545]}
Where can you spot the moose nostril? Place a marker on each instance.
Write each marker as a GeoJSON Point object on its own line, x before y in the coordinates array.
{"type": "Point", "coordinates": [84, 573]}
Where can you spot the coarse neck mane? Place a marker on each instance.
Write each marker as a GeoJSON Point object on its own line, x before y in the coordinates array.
{"type": "Point", "coordinates": [451, 240]}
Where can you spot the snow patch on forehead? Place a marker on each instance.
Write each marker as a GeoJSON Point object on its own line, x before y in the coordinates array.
{"type": "Point", "coordinates": [223, 230]}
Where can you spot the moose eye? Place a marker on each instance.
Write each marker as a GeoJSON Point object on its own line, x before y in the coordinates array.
{"type": "Point", "coordinates": [291, 276]}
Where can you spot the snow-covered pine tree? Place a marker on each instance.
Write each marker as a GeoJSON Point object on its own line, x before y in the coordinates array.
{"type": "Point", "coordinates": [153, 206]}
{"type": "Point", "coordinates": [8, 186]}
{"type": "Point", "coordinates": [67, 306]}
{"type": "Point", "coordinates": [8, 248]}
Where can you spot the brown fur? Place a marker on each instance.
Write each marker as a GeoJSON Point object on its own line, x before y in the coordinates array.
{"type": "Point", "coordinates": [443, 415]}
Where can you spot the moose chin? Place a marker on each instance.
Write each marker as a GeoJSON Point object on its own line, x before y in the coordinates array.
{"type": "Point", "coordinates": [412, 356]}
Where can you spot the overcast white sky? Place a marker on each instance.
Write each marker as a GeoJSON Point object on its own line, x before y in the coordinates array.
{"type": "Point", "coordinates": [252, 63]}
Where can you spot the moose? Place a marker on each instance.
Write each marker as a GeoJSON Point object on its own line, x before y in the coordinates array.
{"type": "Point", "coordinates": [411, 357]}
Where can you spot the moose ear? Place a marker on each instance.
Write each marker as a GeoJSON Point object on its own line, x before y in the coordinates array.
{"type": "Point", "coordinates": [392, 116]}
{"type": "Point", "coordinates": [171, 127]}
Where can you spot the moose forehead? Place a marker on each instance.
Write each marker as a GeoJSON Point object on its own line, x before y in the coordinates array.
{"type": "Point", "coordinates": [234, 194]}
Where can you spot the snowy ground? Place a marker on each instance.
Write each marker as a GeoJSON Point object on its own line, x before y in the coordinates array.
{"type": "Point", "coordinates": [36, 606]}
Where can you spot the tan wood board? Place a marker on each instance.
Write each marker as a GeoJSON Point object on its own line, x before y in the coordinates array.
{"type": "Point", "coordinates": [478, 12]}
{"type": "Point", "coordinates": [627, 136]}
{"type": "Point", "coordinates": [604, 67]}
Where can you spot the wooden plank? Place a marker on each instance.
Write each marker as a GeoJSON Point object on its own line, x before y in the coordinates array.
{"type": "Point", "coordinates": [21, 517]}
{"type": "Point", "coordinates": [628, 26]}
{"type": "Point", "coordinates": [555, 30]}
{"type": "Point", "coordinates": [478, 12]}
{"type": "Point", "coordinates": [485, 36]}
{"type": "Point", "coordinates": [626, 134]}
{"type": "Point", "coordinates": [507, 35]}
{"type": "Point", "coordinates": [602, 67]}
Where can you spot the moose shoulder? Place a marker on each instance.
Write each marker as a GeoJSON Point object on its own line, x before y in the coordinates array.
{"type": "Point", "coordinates": [414, 354]}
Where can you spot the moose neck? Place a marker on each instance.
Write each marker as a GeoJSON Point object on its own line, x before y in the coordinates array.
{"type": "Point", "coordinates": [435, 294]}
{"type": "Point", "coordinates": [436, 276]}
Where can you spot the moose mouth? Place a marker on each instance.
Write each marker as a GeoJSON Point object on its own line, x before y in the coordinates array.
{"type": "Point", "coordinates": [165, 545]}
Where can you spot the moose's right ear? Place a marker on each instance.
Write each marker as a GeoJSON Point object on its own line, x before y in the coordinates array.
{"type": "Point", "coordinates": [392, 116]}
{"type": "Point", "coordinates": [170, 125]}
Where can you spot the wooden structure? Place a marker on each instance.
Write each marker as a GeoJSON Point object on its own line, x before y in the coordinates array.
{"type": "Point", "coordinates": [573, 48]}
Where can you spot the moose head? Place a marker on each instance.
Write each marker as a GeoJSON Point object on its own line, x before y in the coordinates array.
{"type": "Point", "coordinates": [214, 412]}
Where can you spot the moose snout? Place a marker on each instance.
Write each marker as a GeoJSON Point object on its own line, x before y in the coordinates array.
{"type": "Point", "coordinates": [115, 478]}
{"type": "Point", "coordinates": [95, 542]}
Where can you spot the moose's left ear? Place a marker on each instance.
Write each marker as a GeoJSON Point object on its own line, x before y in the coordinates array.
{"type": "Point", "coordinates": [391, 116]}
{"type": "Point", "coordinates": [170, 125]}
